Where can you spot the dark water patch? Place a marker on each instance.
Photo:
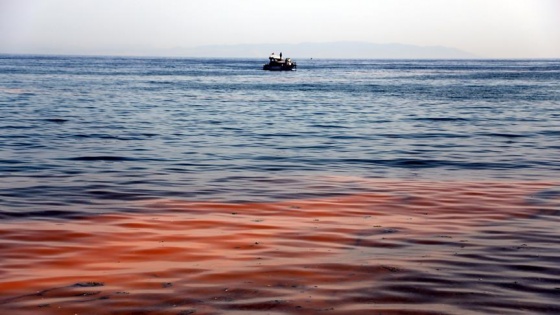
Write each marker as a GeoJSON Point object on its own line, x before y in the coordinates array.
{"type": "Point", "coordinates": [57, 120]}
{"type": "Point", "coordinates": [162, 82]}
{"type": "Point", "coordinates": [477, 107]}
{"type": "Point", "coordinates": [116, 195]}
{"type": "Point", "coordinates": [435, 119]}
{"type": "Point", "coordinates": [430, 163]}
{"type": "Point", "coordinates": [17, 127]}
{"type": "Point", "coordinates": [149, 134]}
{"type": "Point", "coordinates": [528, 268]}
{"type": "Point", "coordinates": [112, 158]}
{"type": "Point", "coordinates": [4, 161]}
{"type": "Point", "coordinates": [553, 133]}
{"type": "Point", "coordinates": [279, 135]}
{"type": "Point", "coordinates": [88, 284]}
{"type": "Point", "coordinates": [545, 196]}
{"type": "Point", "coordinates": [124, 137]}
{"type": "Point", "coordinates": [329, 126]}
{"type": "Point", "coordinates": [346, 137]}
{"type": "Point", "coordinates": [42, 214]}
{"type": "Point", "coordinates": [506, 135]}
{"type": "Point", "coordinates": [107, 158]}
{"type": "Point", "coordinates": [419, 136]}
{"type": "Point", "coordinates": [521, 306]}
{"type": "Point", "coordinates": [28, 169]}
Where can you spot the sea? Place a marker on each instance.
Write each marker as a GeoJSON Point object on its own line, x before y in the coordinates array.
{"type": "Point", "coordinates": [137, 185]}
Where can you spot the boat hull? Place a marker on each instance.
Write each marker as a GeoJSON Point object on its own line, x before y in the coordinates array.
{"type": "Point", "coordinates": [279, 67]}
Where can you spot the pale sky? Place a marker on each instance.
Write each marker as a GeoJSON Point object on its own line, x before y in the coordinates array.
{"type": "Point", "coordinates": [487, 28]}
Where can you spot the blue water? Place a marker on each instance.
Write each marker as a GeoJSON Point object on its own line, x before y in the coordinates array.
{"type": "Point", "coordinates": [90, 134]}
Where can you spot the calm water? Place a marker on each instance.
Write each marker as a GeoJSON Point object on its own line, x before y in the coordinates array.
{"type": "Point", "coordinates": [182, 186]}
{"type": "Point", "coordinates": [78, 130]}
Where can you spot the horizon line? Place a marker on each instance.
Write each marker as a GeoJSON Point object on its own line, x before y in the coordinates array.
{"type": "Point", "coordinates": [265, 57]}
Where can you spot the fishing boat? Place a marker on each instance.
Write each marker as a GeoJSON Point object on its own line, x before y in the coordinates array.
{"type": "Point", "coordinates": [277, 63]}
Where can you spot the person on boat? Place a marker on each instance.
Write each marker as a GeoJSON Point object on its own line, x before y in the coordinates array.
{"type": "Point", "coordinates": [280, 55]}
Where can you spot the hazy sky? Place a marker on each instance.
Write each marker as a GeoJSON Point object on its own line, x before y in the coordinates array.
{"type": "Point", "coordinates": [487, 28]}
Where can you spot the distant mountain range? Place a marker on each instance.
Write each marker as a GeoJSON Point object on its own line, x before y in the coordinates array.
{"type": "Point", "coordinates": [342, 50]}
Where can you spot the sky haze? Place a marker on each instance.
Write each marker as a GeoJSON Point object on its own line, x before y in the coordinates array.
{"type": "Point", "coordinates": [486, 28]}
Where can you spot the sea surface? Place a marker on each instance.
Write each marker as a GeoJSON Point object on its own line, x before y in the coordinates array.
{"type": "Point", "coordinates": [209, 186]}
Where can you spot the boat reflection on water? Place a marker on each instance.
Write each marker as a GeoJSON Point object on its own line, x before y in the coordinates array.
{"type": "Point", "coordinates": [277, 63]}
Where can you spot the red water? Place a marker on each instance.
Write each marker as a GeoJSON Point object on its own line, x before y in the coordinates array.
{"type": "Point", "coordinates": [413, 247]}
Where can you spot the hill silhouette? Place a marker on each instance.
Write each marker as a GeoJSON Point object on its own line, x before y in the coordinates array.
{"type": "Point", "coordinates": [342, 50]}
